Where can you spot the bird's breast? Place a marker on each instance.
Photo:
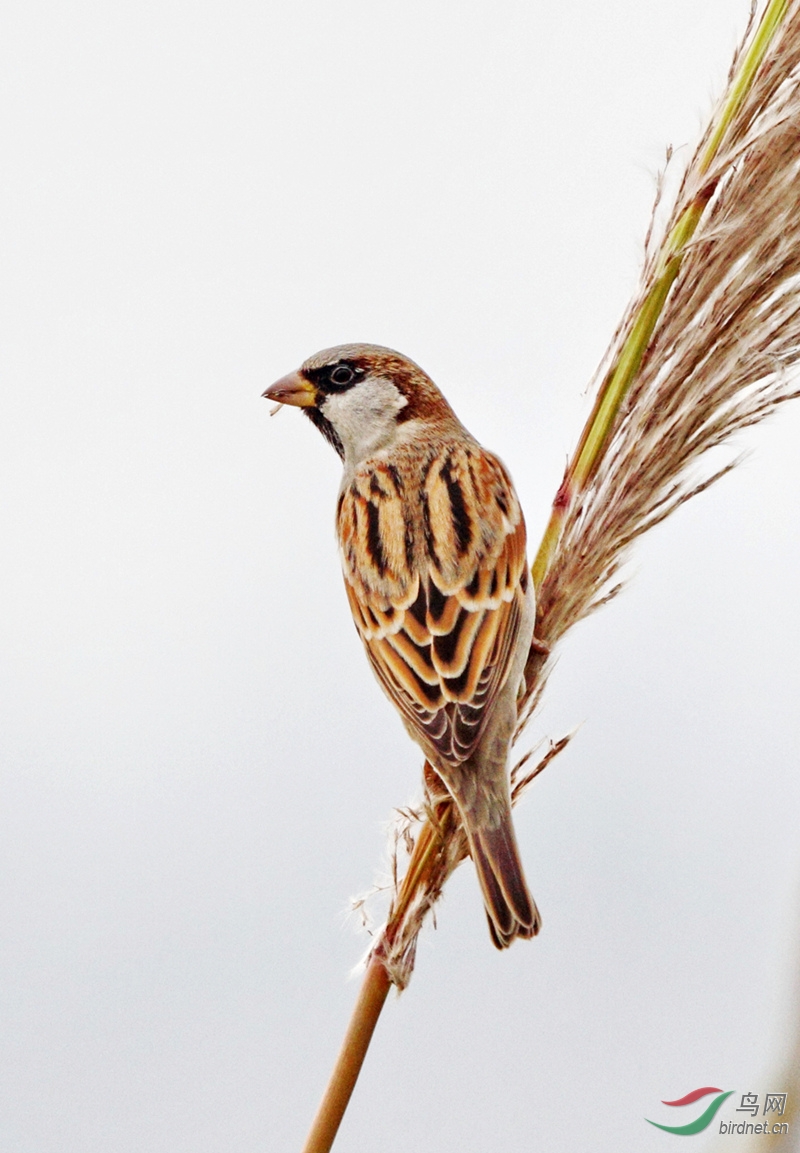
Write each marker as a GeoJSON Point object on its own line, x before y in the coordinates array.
{"type": "Point", "coordinates": [379, 528]}
{"type": "Point", "coordinates": [439, 516]}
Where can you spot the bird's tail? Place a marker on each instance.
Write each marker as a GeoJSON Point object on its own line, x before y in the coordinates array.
{"type": "Point", "coordinates": [510, 908]}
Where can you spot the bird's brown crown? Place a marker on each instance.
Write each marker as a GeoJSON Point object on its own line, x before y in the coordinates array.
{"type": "Point", "coordinates": [328, 371]}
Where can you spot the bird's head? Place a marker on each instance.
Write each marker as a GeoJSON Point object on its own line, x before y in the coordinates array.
{"type": "Point", "coordinates": [362, 398]}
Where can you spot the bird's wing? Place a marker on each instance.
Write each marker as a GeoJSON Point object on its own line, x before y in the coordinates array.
{"type": "Point", "coordinates": [437, 598]}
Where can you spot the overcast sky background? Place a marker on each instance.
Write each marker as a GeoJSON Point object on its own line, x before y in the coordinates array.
{"type": "Point", "coordinates": [196, 763]}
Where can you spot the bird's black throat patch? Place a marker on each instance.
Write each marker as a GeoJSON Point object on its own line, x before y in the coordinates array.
{"type": "Point", "coordinates": [325, 427]}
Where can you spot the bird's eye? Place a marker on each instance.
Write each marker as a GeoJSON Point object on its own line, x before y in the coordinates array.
{"type": "Point", "coordinates": [342, 375]}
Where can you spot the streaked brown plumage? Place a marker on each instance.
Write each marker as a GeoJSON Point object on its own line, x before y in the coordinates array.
{"type": "Point", "coordinates": [432, 543]}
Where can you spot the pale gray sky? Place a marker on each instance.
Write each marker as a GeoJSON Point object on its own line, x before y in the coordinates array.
{"type": "Point", "coordinates": [196, 762]}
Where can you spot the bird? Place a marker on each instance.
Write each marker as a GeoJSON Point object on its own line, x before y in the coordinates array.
{"type": "Point", "coordinates": [433, 550]}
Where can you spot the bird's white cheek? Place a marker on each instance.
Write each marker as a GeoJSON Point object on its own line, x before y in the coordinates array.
{"type": "Point", "coordinates": [365, 416]}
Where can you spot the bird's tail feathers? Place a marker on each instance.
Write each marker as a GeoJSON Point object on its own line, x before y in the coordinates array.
{"type": "Point", "coordinates": [510, 908]}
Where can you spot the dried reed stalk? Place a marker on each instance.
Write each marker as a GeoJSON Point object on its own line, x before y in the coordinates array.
{"type": "Point", "coordinates": [704, 350]}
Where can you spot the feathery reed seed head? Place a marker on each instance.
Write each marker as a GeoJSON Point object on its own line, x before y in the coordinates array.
{"type": "Point", "coordinates": [719, 309]}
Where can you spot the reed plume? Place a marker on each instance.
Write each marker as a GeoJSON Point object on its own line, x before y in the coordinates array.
{"type": "Point", "coordinates": [674, 384]}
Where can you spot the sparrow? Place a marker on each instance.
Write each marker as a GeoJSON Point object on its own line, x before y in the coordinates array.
{"type": "Point", "coordinates": [432, 544]}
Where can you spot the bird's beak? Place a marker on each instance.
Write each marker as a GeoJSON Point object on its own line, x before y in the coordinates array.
{"type": "Point", "coordinates": [293, 389]}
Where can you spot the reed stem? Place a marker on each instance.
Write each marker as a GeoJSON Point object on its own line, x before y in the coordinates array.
{"type": "Point", "coordinates": [371, 997]}
{"type": "Point", "coordinates": [424, 872]}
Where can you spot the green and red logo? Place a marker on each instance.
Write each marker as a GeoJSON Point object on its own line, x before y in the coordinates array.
{"type": "Point", "coordinates": [706, 1117]}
